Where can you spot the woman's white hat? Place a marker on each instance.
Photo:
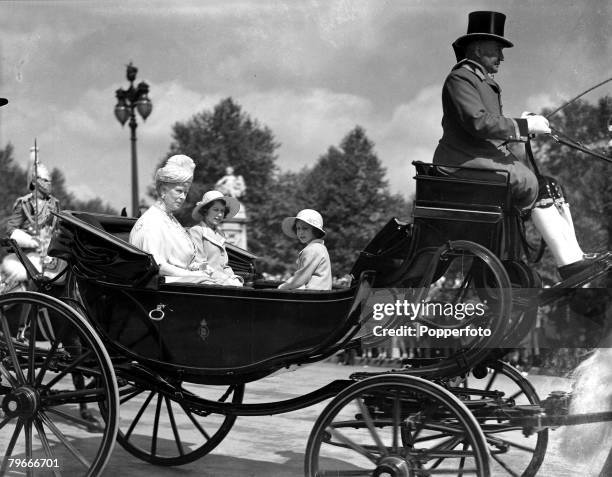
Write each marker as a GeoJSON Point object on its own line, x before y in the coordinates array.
{"type": "Point", "coordinates": [178, 169]}
{"type": "Point", "coordinates": [309, 216]}
{"type": "Point", "coordinates": [211, 196]}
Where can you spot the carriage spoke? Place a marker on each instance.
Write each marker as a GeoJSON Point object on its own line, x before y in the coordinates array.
{"type": "Point", "coordinates": [462, 461]}
{"type": "Point", "coordinates": [195, 422]}
{"type": "Point", "coordinates": [177, 438]}
{"type": "Point", "coordinates": [45, 442]}
{"type": "Point", "coordinates": [463, 289]}
{"type": "Point", "coordinates": [453, 472]}
{"type": "Point", "coordinates": [504, 465]}
{"type": "Point", "coordinates": [9, 450]}
{"type": "Point", "coordinates": [8, 376]}
{"type": "Point", "coordinates": [20, 378]}
{"type": "Point", "coordinates": [69, 417]}
{"type": "Point", "coordinates": [28, 441]}
{"type": "Point", "coordinates": [516, 394]}
{"type": "Point", "coordinates": [32, 350]}
{"type": "Point", "coordinates": [5, 421]}
{"type": "Point", "coordinates": [368, 421]}
{"type": "Point", "coordinates": [71, 367]}
{"type": "Point", "coordinates": [449, 444]}
{"type": "Point", "coordinates": [64, 440]}
{"type": "Point", "coordinates": [131, 395]}
{"type": "Point", "coordinates": [347, 473]}
{"type": "Point", "coordinates": [47, 361]}
{"type": "Point", "coordinates": [490, 382]}
{"type": "Point", "coordinates": [156, 425]}
{"type": "Point", "coordinates": [138, 416]}
{"type": "Point", "coordinates": [44, 321]}
{"type": "Point", "coordinates": [396, 423]}
{"type": "Point", "coordinates": [353, 445]}
{"type": "Point", "coordinates": [226, 394]}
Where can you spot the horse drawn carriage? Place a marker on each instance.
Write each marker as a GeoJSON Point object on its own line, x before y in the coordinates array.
{"type": "Point", "coordinates": [184, 353]}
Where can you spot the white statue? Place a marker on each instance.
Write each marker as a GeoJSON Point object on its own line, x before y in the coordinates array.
{"type": "Point", "coordinates": [231, 184]}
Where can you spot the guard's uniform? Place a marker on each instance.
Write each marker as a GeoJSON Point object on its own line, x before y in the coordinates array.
{"type": "Point", "coordinates": [21, 227]}
{"type": "Point", "coordinates": [476, 132]}
{"type": "Point", "coordinates": [25, 214]}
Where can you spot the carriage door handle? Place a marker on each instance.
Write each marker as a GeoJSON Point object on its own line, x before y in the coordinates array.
{"type": "Point", "coordinates": [157, 314]}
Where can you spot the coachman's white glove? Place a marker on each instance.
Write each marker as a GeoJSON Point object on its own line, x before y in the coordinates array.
{"type": "Point", "coordinates": [536, 124]}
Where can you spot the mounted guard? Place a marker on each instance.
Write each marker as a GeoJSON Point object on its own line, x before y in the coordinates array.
{"type": "Point", "coordinates": [30, 226]}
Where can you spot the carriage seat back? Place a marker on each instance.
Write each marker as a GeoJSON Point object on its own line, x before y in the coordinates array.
{"type": "Point", "coordinates": [470, 189]}
{"type": "Point", "coordinates": [101, 242]}
{"type": "Point", "coordinates": [462, 203]}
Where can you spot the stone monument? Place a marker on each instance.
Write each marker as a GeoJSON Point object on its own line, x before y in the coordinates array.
{"type": "Point", "coordinates": [235, 229]}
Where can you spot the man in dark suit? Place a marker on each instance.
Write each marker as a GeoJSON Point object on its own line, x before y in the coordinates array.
{"type": "Point", "coordinates": [478, 135]}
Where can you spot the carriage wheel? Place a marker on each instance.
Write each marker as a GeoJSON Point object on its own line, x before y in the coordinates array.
{"type": "Point", "coordinates": [454, 302]}
{"type": "Point", "coordinates": [513, 453]}
{"type": "Point", "coordinates": [39, 418]}
{"type": "Point", "coordinates": [165, 431]}
{"type": "Point", "coordinates": [396, 426]}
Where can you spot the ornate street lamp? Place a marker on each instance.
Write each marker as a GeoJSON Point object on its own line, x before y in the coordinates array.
{"type": "Point", "coordinates": [128, 100]}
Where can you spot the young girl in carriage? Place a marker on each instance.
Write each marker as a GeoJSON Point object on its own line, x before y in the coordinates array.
{"type": "Point", "coordinates": [211, 255]}
{"type": "Point", "coordinates": [313, 264]}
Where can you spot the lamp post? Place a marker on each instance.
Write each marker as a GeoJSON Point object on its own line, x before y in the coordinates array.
{"type": "Point", "coordinates": [128, 100]}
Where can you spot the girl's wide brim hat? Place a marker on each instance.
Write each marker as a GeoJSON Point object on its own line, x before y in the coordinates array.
{"type": "Point", "coordinates": [309, 216]}
{"type": "Point", "coordinates": [211, 196]}
{"type": "Point", "coordinates": [483, 25]}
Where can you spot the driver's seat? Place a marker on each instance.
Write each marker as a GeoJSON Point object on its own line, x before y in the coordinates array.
{"type": "Point", "coordinates": [477, 209]}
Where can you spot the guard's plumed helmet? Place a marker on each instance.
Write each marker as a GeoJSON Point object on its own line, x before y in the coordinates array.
{"type": "Point", "coordinates": [41, 172]}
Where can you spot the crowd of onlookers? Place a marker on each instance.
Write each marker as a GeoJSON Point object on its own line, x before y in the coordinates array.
{"type": "Point", "coordinates": [559, 340]}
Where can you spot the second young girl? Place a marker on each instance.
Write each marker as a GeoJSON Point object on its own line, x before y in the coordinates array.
{"type": "Point", "coordinates": [211, 256]}
{"type": "Point", "coordinates": [313, 264]}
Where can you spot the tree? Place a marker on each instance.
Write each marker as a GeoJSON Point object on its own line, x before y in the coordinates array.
{"type": "Point", "coordinates": [68, 201]}
{"type": "Point", "coordinates": [227, 136]}
{"type": "Point", "coordinates": [279, 255]}
{"type": "Point", "coordinates": [13, 183]}
{"type": "Point", "coordinates": [348, 187]}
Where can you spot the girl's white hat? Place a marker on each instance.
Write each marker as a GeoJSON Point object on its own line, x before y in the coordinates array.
{"type": "Point", "coordinates": [309, 216]}
{"type": "Point", "coordinates": [211, 196]}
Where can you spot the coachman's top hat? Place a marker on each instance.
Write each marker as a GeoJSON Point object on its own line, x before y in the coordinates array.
{"type": "Point", "coordinates": [482, 26]}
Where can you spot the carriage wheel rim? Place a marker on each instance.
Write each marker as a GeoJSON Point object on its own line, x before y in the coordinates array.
{"type": "Point", "coordinates": [17, 368]}
{"type": "Point", "coordinates": [473, 435]}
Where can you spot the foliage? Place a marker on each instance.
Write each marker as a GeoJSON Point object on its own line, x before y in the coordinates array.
{"type": "Point", "coordinates": [14, 183]}
{"type": "Point", "coordinates": [347, 186]}
{"type": "Point", "coordinates": [68, 201]}
{"type": "Point", "coordinates": [585, 179]}
{"type": "Point", "coordinates": [229, 137]}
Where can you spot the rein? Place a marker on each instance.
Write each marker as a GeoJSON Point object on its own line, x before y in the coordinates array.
{"type": "Point", "coordinates": [568, 141]}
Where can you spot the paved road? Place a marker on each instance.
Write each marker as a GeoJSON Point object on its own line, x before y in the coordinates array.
{"type": "Point", "coordinates": [273, 446]}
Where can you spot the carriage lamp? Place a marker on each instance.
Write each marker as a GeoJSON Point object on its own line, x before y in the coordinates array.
{"type": "Point", "coordinates": [129, 100]}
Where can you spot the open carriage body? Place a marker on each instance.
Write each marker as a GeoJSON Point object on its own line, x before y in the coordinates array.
{"type": "Point", "coordinates": [142, 337]}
